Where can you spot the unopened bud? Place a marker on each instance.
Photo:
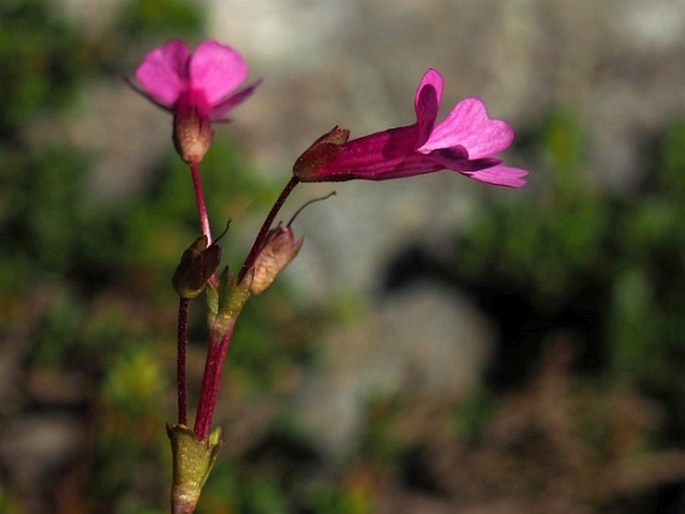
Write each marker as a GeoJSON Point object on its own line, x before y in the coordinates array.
{"type": "Point", "coordinates": [198, 264]}
{"type": "Point", "coordinates": [192, 135]}
{"type": "Point", "coordinates": [323, 151]}
{"type": "Point", "coordinates": [279, 249]}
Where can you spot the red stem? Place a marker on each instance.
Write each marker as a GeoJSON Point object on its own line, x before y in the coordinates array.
{"type": "Point", "coordinates": [200, 201]}
{"type": "Point", "coordinates": [201, 209]}
{"type": "Point", "coordinates": [216, 354]}
{"type": "Point", "coordinates": [259, 240]}
{"type": "Point", "coordinates": [218, 344]}
{"type": "Point", "coordinates": [182, 387]}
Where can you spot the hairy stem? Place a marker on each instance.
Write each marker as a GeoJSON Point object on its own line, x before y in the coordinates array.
{"type": "Point", "coordinates": [216, 354]}
{"type": "Point", "coordinates": [182, 388]}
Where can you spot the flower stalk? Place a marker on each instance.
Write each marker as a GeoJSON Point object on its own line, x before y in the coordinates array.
{"type": "Point", "coordinates": [200, 201]}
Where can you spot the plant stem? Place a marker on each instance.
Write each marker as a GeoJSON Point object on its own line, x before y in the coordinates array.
{"type": "Point", "coordinates": [182, 387]}
{"type": "Point", "coordinates": [200, 201]}
{"type": "Point", "coordinates": [218, 346]}
{"type": "Point", "coordinates": [179, 507]}
{"type": "Point", "coordinates": [216, 354]}
{"type": "Point", "coordinates": [264, 230]}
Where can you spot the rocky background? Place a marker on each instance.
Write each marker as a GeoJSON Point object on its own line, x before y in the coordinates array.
{"type": "Point", "coordinates": [618, 68]}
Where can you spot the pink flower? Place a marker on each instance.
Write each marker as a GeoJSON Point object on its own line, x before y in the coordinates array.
{"type": "Point", "coordinates": [197, 88]}
{"type": "Point", "coordinates": [176, 79]}
{"type": "Point", "coordinates": [465, 142]}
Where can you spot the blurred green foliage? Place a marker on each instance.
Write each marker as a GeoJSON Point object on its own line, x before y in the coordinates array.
{"type": "Point", "coordinates": [613, 267]}
{"type": "Point", "coordinates": [647, 317]}
{"type": "Point", "coordinates": [282, 474]}
{"type": "Point", "coordinates": [543, 244]}
{"type": "Point", "coordinates": [128, 446]}
{"type": "Point", "coordinates": [8, 503]}
{"type": "Point", "coordinates": [474, 415]}
{"type": "Point", "coordinates": [382, 443]}
{"type": "Point", "coordinates": [38, 62]}
{"type": "Point", "coordinates": [168, 18]}
{"type": "Point", "coordinates": [91, 283]}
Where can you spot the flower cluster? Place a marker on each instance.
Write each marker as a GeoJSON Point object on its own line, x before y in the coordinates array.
{"type": "Point", "coordinates": [200, 88]}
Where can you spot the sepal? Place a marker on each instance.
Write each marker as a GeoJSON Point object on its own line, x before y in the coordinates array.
{"type": "Point", "coordinates": [227, 301]}
{"type": "Point", "coordinates": [323, 151]}
{"type": "Point", "coordinates": [193, 135]}
{"type": "Point", "coordinates": [192, 462]}
{"type": "Point", "coordinates": [279, 249]}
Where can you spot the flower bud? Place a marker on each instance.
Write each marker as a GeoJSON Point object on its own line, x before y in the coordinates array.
{"type": "Point", "coordinates": [198, 264]}
{"type": "Point", "coordinates": [192, 135]}
{"type": "Point", "coordinates": [278, 250]}
{"type": "Point", "coordinates": [323, 151]}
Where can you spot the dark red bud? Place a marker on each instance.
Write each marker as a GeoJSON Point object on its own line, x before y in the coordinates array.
{"type": "Point", "coordinates": [198, 264]}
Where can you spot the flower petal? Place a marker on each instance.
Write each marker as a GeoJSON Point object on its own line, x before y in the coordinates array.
{"type": "Point", "coordinates": [500, 176]}
{"type": "Point", "coordinates": [430, 78]}
{"type": "Point", "coordinates": [232, 101]}
{"type": "Point", "coordinates": [427, 103]}
{"type": "Point", "coordinates": [468, 125]}
{"type": "Point", "coordinates": [217, 70]}
{"type": "Point", "coordinates": [456, 159]}
{"type": "Point", "coordinates": [163, 72]}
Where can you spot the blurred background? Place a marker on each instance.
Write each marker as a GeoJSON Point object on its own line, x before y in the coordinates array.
{"type": "Point", "coordinates": [438, 346]}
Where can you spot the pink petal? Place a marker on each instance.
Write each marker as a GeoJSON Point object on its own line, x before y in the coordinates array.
{"type": "Point", "coordinates": [430, 79]}
{"type": "Point", "coordinates": [217, 70]}
{"type": "Point", "coordinates": [456, 159]}
{"type": "Point", "coordinates": [232, 101]}
{"type": "Point", "coordinates": [500, 176]}
{"type": "Point", "coordinates": [468, 125]}
{"type": "Point", "coordinates": [427, 103]}
{"type": "Point", "coordinates": [162, 73]}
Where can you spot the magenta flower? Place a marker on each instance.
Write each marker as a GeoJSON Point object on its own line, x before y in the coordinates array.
{"type": "Point", "coordinates": [177, 80]}
{"type": "Point", "coordinates": [465, 142]}
{"type": "Point", "coordinates": [197, 88]}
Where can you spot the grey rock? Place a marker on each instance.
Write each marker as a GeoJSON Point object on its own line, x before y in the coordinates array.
{"type": "Point", "coordinates": [424, 339]}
